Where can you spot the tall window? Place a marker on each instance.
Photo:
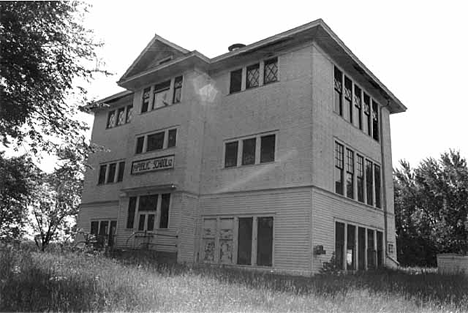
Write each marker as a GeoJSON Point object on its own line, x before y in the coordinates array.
{"type": "Point", "coordinates": [339, 158]}
{"type": "Point", "coordinates": [230, 154]}
{"type": "Point", "coordinates": [339, 244]}
{"type": "Point", "coordinates": [270, 72]}
{"type": "Point", "coordinates": [152, 211]}
{"type": "Point", "coordinates": [145, 100]}
{"type": "Point", "coordinates": [371, 253]}
{"type": "Point", "coordinates": [357, 107]}
{"type": "Point", "coordinates": [367, 125]}
{"type": "Point", "coordinates": [338, 95]}
{"type": "Point", "coordinates": [111, 173]}
{"type": "Point", "coordinates": [244, 241]}
{"type": "Point", "coordinates": [248, 151]}
{"type": "Point", "coordinates": [360, 178]}
{"type": "Point", "coordinates": [253, 76]}
{"type": "Point", "coordinates": [369, 183]}
{"type": "Point", "coordinates": [129, 114]}
{"type": "Point", "coordinates": [177, 89]}
{"type": "Point", "coordinates": [172, 137]}
{"type": "Point", "coordinates": [375, 120]}
{"type": "Point", "coordinates": [351, 247]}
{"type": "Point", "coordinates": [102, 174]}
{"type": "Point", "coordinates": [349, 173]}
{"type": "Point", "coordinates": [121, 171]}
{"type": "Point", "coordinates": [348, 92]}
{"type": "Point", "coordinates": [236, 81]}
{"type": "Point", "coordinates": [160, 98]}
{"type": "Point", "coordinates": [267, 148]}
{"type": "Point", "coordinates": [377, 183]}
{"type": "Point", "coordinates": [380, 252]}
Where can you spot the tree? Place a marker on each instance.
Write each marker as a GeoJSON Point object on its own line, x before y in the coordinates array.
{"type": "Point", "coordinates": [44, 50]}
{"type": "Point", "coordinates": [431, 209]}
{"type": "Point", "coordinates": [16, 177]}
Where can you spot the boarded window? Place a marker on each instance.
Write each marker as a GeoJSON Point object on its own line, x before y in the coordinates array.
{"type": "Point", "coordinates": [230, 156]}
{"type": "Point", "coordinates": [164, 217]}
{"type": "Point", "coordinates": [267, 148]}
{"type": "Point", "coordinates": [265, 241]}
{"type": "Point", "coordinates": [253, 76]}
{"type": "Point", "coordinates": [248, 151]}
{"type": "Point", "coordinates": [155, 141]}
{"type": "Point", "coordinates": [236, 81]}
{"type": "Point", "coordinates": [339, 244]}
{"type": "Point", "coordinates": [177, 90]}
{"type": "Point", "coordinates": [139, 145]}
{"type": "Point", "coordinates": [171, 140]}
{"type": "Point", "coordinates": [102, 174]}
{"type": "Point", "coordinates": [270, 71]}
{"type": "Point", "coordinates": [209, 235]}
{"type": "Point", "coordinates": [131, 212]}
{"type": "Point", "coordinates": [111, 174]}
{"type": "Point", "coordinates": [244, 241]}
{"type": "Point", "coordinates": [226, 236]}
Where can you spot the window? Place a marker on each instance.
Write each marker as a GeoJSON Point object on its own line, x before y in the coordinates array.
{"type": "Point", "coordinates": [351, 247]}
{"type": "Point", "coordinates": [375, 120]}
{"type": "Point", "coordinates": [177, 89]}
{"type": "Point", "coordinates": [369, 183]}
{"type": "Point", "coordinates": [377, 186]}
{"type": "Point", "coordinates": [338, 94]}
{"type": "Point", "coordinates": [339, 158]}
{"type": "Point", "coordinates": [254, 240]}
{"type": "Point", "coordinates": [236, 81]}
{"type": "Point", "coordinates": [230, 154]}
{"type": "Point", "coordinates": [371, 253]}
{"type": "Point", "coordinates": [156, 141]}
{"type": "Point", "coordinates": [380, 255]}
{"type": "Point", "coordinates": [160, 95]}
{"type": "Point", "coordinates": [349, 173]}
{"type": "Point", "coordinates": [104, 230]}
{"type": "Point", "coordinates": [360, 178]}
{"type": "Point", "coordinates": [119, 116]}
{"type": "Point", "coordinates": [145, 100]}
{"type": "Point", "coordinates": [110, 173]}
{"type": "Point", "coordinates": [367, 115]}
{"type": "Point", "coordinates": [361, 248]}
{"type": "Point", "coordinates": [348, 110]}
{"type": "Point", "coordinates": [253, 76]}
{"type": "Point", "coordinates": [129, 114]}
{"type": "Point", "coordinates": [270, 71]}
{"type": "Point", "coordinates": [249, 148]}
{"type": "Point", "coordinates": [357, 107]}
{"type": "Point", "coordinates": [339, 244]}
{"type": "Point", "coordinates": [151, 210]}
{"type": "Point", "coordinates": [111, 119]}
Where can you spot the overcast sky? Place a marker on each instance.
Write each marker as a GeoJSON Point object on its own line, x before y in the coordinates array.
{"type": "Point", "coordinates": [418, 49]}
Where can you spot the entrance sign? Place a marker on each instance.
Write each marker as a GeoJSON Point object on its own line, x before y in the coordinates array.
{"type": "Point", "coordinates": [153, 164]}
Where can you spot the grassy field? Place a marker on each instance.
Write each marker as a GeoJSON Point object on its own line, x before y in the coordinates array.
{"type": "Point", "coordinates": [32, 281]}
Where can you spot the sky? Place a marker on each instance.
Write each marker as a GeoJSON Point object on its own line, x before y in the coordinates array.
{"type": "Point", "coordinates": [418, 49]}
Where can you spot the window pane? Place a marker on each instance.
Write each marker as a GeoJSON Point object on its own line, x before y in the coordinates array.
{"type": "Point", "coordinates": [139, 146]}
{"type": "Point", "coordinates": [111, 119]}
{"type": "Point", "coordinates": [171, 141]}
{"type": "Point", "coordinates": [177, 90]}
{"type": "Point", "coordinates": [141, 222]}
{"type": "Point", "coordinates": [111, 174]}
{"type": "Point", "coordinates": [267, 149]}
{"type": "Point", "coordinates": [371, 255]}
{"type": "Point", "coordinates": [248, 151]}
{"type": "Point", "coordinates": [161, 94]}
{"type": "Point", "coordinates": [236, 81]}
{"type": "Point", "coordinates": [360, 178]}
{"type": "Point", "coordinates": [357, 107]}
{"type": "Point", "coordinates": [348, 110]}
{"type": "Point", "coordinates": [338, 86]}
{"type": "Point", "coordinates": [339, 244]}
{"type": "Point", "coordinates": [362, 248]}
{"type": "Point", "coordinates": [155, 141]}
{"type": "Point", "coordinates": [151, 218]}
{"type": "Point", "coordinates": [349, 174]}
{"type": "Point", "coordinates": [369, 183]}
{"type": "Point", "coordinates": [131, 212]}
{"type": "Point", "coordinates": [367, 118]}
{"type": "Point", "coordinates": [165, 202]}
{"type": "Point", "coordinates": [121, 171]}
{"type": "Point", "coordinates": [351, 248]}
{"type": "Point", "coordinates": [339, 166]}
{"type": "Point", "coordinates": [102, 174]}
{"type": "Point", "coordinates": [253, 76]}
{"type": "Point", "coordinates": [148, 203]}
{"type": "Point", "coordinates": [145, 100]}
{"type": "Point", "coordinates": [265, 241]}
{"type": "Point", "coordinates": [270, 71]}
{"type": "Point", "coordinates": [375, 120]}
{"type": "Point", "coordinates": [121, 116]}
{"type": "Point", "coordinates": [230, 157]}
{"type": "Point", "coordinates": [244, 241]}
{"type": "Point", "coordinates": [128, 119]}
{"type": "Point", "coordinates": [377, 185]}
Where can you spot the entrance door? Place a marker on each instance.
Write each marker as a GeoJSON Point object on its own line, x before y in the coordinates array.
{"type": "Point", "coordinates": [265, 241]}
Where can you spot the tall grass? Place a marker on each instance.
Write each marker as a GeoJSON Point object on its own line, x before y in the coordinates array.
{"type": "Point", "coordinates": [32, 281]}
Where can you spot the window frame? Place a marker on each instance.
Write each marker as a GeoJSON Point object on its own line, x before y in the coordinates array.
{"type": "Point", "coordinates": [266, 68]}
{"type": "Point", "coordinates": [115, 112]}
{"type": "Point", "coordinates": [104, 172]}
{"type": "Point", "coordinates": [135, 213]}
{"type": "Point", "coordinates": [171, 87]}
{"type": "Point", "coordinates": [257, 157]}
{"type": "Point", "coordinates": [262, 68]}
{"type": "Point", "coordinates": [144, 140]}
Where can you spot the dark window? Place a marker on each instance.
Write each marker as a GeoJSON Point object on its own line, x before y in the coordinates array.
{"type": "Point", "coordinates": [248, 151]}
{"type": "Point", "coordinates": [265, 241]}
{"type": "Point", "coordinates": [380, 255]}
{"type": "Point", "coordinates": [164, 218]}
{"type": "Point", "coordinates": [338, 86]}
{"type": "Point", "coordinates": [160, 95]}
{"type": "Point", "coordinates": [177, 90]}
{"type": "Point", "coordinates": [371, 256]}
{"type": "Point", "coordinates": [104, 228]}
{"type": "Point", "coordinates": [339, 166]}
{"type": "Point", "coordinates": [145, 100]}
{"type": "Point", "coordinates": [155, 141]}
{"type": "Point", "coordinates": [94, 227]}
{"type": "Point", "coordinates": [121, 170]}
{"type": "Point", "coordinates": [351, 248]}
{"type": "Point", "coordinates": [339, 244]}
{"type": "Point", "coordinates": [369, 183]}
{"type": "Point", "coordinates": [111, 174]}
{"type": "Point", "coordinates": [270, 71]}
{"type": "Point", "coordinates": [230, 157]}
{"type": "Point", "coordinates": [349, 173]}
{"type": "Point", "coordinates": [362, 248]}
{"type": "Point", "coordinates": [375, 120]}
{"type": "Point", "coordinates": [148, 203]}
{"type": "Point", "coordinates": [111, 119]}
{"type": "Point", "coordinates": [360, 178]}
{"type": "Point", "coordinates": [244, 242]}
{"type": "Point", "coordinates": [141, 222]}
{"type": "Point", "coordinates": [131, 212]}
{"type": "Point", "coordinates": [377, 186]}
{"type": "Point", "coordinates": [348, 110]}
{"type": "Point", "coordinates": [236, 81]}
{"type": "Point", "coordinates": [357, 107]}
{"type": "Point", "coordinates": [253, 76]}
{"type": "Point", "coordinates": [171, 140]}
{"type": "Point", "coordinates": [102, 174]}
{"type": "Point", "coordinates": [150, 224]}
{"type": "Point", "coordinates": [139, 145]}
{"type": "Point", "coordinates": [121, 116]}
{"type": "Point", "coordinates": [129, 115]}
{"type": "Point", "coordinates": [267, 149]}
{"type": "Point", "coordinates": [367, 115]}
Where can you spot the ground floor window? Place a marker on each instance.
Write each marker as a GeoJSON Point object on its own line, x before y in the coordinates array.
{"type": "Point", "coordinates": [246, 240]}
{"type": "Point", "coordinates": [358, 247]}
{"type": "Point", "coordinates": [149, 212]}
{"type": "Point", "coordinates": [104, 230]}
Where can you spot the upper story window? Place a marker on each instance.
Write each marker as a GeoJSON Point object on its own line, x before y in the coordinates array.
{"type": "Point", "coordinates": [259, 74]}
{"type": "Point", "coordinates": [119, 116]}
{"type": "Point", "coordinates": [156, 141]}
{"type": "Point", "coordinates": [150, 212]}
{"type": "Point", "coordinates": [111, 172]}
{"type": "Point", "coordinates": [160, 95]}
{"type": "Point", "coordinates": [355, 105]}
{"type": "Point", "coordinates": [251, 150]}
